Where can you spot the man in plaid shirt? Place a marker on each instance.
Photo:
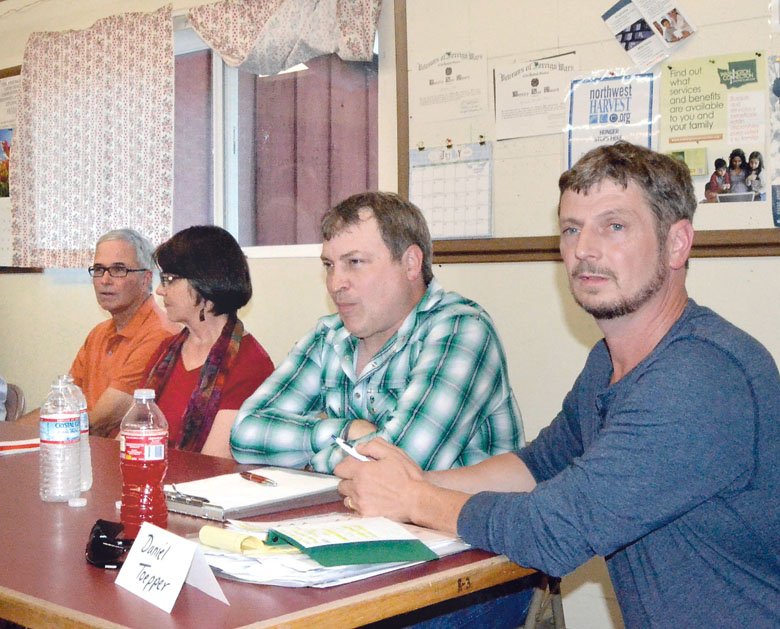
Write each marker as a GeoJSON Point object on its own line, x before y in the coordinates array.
{"type": "Point", "coordinates": [402, 359]}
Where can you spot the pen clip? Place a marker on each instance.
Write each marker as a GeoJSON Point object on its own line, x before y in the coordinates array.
{"type": "Point", "coordinates": [188, 499]}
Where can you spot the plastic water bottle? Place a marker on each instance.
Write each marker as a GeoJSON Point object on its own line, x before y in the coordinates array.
{"type": "Point", "coordinates": [143, 455]}
{"type": "Point", "coordinates": [86, 455]}
{"type": "Point", "coordinates": [60, 463]}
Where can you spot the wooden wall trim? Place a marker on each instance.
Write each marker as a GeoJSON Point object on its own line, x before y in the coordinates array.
{"type": "Point", "coordinates": [706, 244]}
{"type": "Point", "coordinates": [402, 97]}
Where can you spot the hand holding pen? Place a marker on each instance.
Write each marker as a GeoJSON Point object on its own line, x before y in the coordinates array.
{"type": "Point", "coordinates": [349, 449]}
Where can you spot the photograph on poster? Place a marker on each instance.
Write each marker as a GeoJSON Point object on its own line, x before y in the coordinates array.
{"type": "Point", "coordinates": [5, 155]}
{"type": "Point", "coordinates": [673, 27]}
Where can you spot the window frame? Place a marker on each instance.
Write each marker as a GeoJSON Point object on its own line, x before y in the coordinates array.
{"type": "Point", "coordinates": [224, 97]}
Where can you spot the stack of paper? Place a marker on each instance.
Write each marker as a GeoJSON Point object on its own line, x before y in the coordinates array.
{"type": "Point", "coordinates": [353, 541]}
{"type": "Point", "coordinates": [266, 565]}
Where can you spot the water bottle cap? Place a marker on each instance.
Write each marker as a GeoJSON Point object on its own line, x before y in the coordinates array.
{"type": "Point", "coordinates": [66, 378]}
{"type": "Point", "coordinates": [144, 394]}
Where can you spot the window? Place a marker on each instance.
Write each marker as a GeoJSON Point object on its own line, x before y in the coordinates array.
{"type": "Point", "coordinates": [265, 156]}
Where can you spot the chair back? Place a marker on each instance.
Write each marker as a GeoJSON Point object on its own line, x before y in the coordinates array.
{"type": "Point", "coordinates": [14, 403]}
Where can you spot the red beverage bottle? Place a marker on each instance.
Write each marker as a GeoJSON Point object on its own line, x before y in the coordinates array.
{"type": "Point", "coordinates": [143, 459]}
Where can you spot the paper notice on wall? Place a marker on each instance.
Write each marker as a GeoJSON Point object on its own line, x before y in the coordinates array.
{"type": "Point", "coordinates": [448, 86]}
{"type": "Point", "coordinates": [9, 90]}
{"type": "Point", "coordinates": [712, 99]}
{"type": "Point", "coordinates": [531, 97]}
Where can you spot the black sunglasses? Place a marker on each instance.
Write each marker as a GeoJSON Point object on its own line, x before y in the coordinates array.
{"type": "Point", "coordinates": [105, 548]}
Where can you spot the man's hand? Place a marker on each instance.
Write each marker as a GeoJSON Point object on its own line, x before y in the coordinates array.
{"type": "Point", "coordinates": [385, 486]}
{"type": "Point", "coordinates": [360, 428]}
{"type": "Point", "coordinates": [394, 486]}
{"type": "Point", "coordinates": [105, 418]}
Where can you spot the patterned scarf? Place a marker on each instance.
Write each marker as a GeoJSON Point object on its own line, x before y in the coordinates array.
{"type": "Point", "coordinates": [204, 403]}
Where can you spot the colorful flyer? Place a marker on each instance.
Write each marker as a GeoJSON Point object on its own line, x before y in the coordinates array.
{"type": "Point", "coordinates": [717, 104]}
{"type": "Point", "coordinates": [648, 30]}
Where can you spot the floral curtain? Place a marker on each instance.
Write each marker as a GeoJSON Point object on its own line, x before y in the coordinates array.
{"type": "Point", "coordinates": [93, 147]}
{"type": "Point", "coordinates": [268, 36]}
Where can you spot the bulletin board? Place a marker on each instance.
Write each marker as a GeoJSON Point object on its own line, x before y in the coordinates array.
{"type": "Point", "coordinates": [539, 246]}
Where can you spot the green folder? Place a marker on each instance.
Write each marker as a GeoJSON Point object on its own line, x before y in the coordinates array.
{"type": "Point", "coordinates": [357, 552]}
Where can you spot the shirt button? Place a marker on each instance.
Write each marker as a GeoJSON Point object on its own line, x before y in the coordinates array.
{"type": "Point", "coordinates": [357, 395]}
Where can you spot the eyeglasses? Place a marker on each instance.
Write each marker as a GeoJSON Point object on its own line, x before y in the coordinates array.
{"type": "Point", "coordinates": [168, 278]}
{"type": "Point", "coordinates": [115, 270]}
{"type": "Point", "coordinates": [105, 549]}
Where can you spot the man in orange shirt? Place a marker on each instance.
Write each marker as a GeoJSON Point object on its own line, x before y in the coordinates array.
{"type": "Point", "coordinates": [109, 365]}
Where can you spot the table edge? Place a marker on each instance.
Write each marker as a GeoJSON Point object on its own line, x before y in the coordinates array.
{"type": "Point", "coordinates": [386, 602]}
{"type": "Point", "coordinates": [31, 611]}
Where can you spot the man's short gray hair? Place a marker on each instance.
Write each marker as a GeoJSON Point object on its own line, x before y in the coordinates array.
{"type": "Point", "coordinates": [144, 249]}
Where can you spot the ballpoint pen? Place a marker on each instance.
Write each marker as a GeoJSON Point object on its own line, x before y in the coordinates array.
{"type": "Point", "coordinates": [256, 478]}
{"type": "Point", "coordinates": [349, 449]}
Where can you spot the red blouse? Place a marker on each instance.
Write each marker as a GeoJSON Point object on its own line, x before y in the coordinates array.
{"type": "Point", "coordinates": [251, 368]}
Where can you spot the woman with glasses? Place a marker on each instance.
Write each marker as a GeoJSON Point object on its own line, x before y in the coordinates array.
{"type": "Point", "coordinates": [203, 374]}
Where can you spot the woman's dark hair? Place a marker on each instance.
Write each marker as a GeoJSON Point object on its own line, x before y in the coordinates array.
{"type": "Point", "coordinates": [737, 153]}
{"type": "Point", "coordinates": [211, 259]}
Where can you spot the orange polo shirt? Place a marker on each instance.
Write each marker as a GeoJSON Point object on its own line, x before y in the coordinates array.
{"type": "Point", "coordinates": [117, 359]}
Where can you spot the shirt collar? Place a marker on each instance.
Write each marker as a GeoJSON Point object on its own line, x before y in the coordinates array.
{"type": "Point", "coordinates": [138, 320]}
{"type": "Point", "coordinates": [346, 344]}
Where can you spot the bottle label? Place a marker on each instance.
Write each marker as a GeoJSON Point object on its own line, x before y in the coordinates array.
{"type": "Point", "coordinates": [84, 422]}
{"type": "Point", "coordinates": [59, 428]}
{"type": "Point", "coordinates": [143, 447]}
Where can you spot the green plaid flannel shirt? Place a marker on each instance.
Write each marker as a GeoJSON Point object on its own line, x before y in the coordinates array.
{"type": "Point", "coordinates": [438, 389]}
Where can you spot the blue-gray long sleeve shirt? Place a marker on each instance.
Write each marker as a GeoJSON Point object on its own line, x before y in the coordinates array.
{"type": "Point", "coordinates": [672, 474]}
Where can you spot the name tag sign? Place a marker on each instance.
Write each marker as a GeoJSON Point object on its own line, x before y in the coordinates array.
{"type": "Point", "coordinates": [159, 563]}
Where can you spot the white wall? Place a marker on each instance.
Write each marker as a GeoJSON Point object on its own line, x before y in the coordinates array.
{"type": "Point", "coordinates": [44, 317]}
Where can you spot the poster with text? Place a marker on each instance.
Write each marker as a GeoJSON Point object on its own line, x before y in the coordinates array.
{"type": "Point", "coordinates": [608, 109]}
{"type": "Point", "coordinates": [9, 91]}
{"type": "Point", "coordinates": [449, 86]}
{"type": "Point", "coordinates": [717, 104]}
{"type": "Point", "coordinates": [773, 163]}
{"type": "Point", "coordinates": [531, 96]}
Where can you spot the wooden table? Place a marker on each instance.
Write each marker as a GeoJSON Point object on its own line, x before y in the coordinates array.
{"type": "Point", "coordinates": [45, 579]}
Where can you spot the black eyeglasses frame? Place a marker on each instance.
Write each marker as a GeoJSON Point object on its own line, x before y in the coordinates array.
{"type": "Point", "coordinates": [99, 270]}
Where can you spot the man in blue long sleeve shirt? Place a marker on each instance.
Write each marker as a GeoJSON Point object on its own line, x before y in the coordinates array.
{"type": "Point", "coordinates": [664, 458]}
